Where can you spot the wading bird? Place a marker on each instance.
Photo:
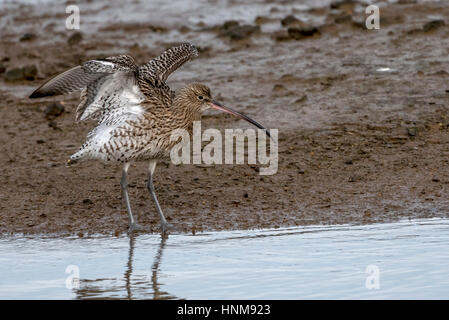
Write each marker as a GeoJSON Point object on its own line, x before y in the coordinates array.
{"type": "Point", "coordinates": [135, 109]}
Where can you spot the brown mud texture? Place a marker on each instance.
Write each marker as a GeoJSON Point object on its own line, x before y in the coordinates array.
{"type": "Point", "coordinates": [362, 115]}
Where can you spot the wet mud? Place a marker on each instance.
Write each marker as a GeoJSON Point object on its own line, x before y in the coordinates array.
{"type": "Point", "coordinates": [362, 115]}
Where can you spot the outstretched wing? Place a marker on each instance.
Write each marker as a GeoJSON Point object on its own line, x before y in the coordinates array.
{"type": "Point", "coordinates": [69, 81]}
{"type": "Point", "coordinates": [116, 85]}
{"type": "Point", "coordinates": [110, 96]}
{"type": "Point", "coordinates": [79, 77]}
{"type": "Point", "coordinates": [106, 84]}
{"type": "Point", "coordinates": [161, 67]}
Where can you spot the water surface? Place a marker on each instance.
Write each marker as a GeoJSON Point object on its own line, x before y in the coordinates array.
{"type": "Point", "coordinates": [404, 260]}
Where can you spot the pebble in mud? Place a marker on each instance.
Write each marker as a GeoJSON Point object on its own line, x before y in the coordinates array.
{"type": "Point", "coordinates": [261, 20]}
{"type": "Point", "coordinates": [280, 90]}
{"type": "Point", "coordinates": [343, 18]}
{"type": "Point", "coordinates": [344, 5]}
{"type": "Point", "coordinates": [428, 27]}
{"type": "Point", "coordinates": [299, 33]}
{"type": "Point", "coordinates": [29, 72]}
{"type": "Point", "coordinates": [229, 24]}
{"type": "Point", "coordinates": [301, 99]}
{"type": "Point", "coordinates": [412, 131]}
{"type": "Point", "coordinates": [18, 74]}
{"type": "Point", "coordinates": [235, 31]}
{"type": "Point", "coordinates": [52, 124]}
{"type": "Point", "coordinates": [75, 38]}
{"type": "Point", "coordinates": [354, 178]}
{"type": "Point", "coordinates": [15, 74]}
{"type": "Point", "coordinates": [296, 33]}
{"type": "Point", "coordinates": [27, 37]}
{"type": "Point", "coordinates": [433, 25]}
{"type": "Point", "coordinates": [367, 213]}
{"type": "Point", "coordinates": [53, 111]}
{"type": "Point", "coordinates": [281, 36]}
{"type": "Point", "coordinates": [290, 21]}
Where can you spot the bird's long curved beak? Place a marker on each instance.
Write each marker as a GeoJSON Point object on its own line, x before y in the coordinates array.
{"type": "Point", "coordinates": [216, 105]}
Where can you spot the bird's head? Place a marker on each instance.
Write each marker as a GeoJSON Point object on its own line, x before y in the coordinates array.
{"type": "Point", "coordinates": [199, 97]}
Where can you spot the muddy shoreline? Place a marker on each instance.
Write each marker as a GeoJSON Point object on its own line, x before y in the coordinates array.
{"type": "Point", "coordinates": [362, 117]}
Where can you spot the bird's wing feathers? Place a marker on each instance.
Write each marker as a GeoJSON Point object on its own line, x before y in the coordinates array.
{"type": "Point", "coordinates": [161, 67]}
{"type": "Point", "coordinates": [111, 64]}
{"type": "Point", "coordinates": [100, 81]}
{"type": "Point", "coordinates": [153, 74]}
{"type": "Point", "coordinates": [116, 85]}
{"type": "Point", "coordinates": [79, 77]}
{"type": "Point", "coordinates": [110, 96]}
{"type": "Point", "coordinates": [113, 90]}
{"type": "Point", "coordinates": [71, 80]}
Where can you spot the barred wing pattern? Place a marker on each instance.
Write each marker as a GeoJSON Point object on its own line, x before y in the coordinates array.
{"type": "Point", "coordinates": [102, 90]}
{"type": "Point", "coordinates": [110, 97]}
{"type": "Point", "coordinates": [104, 93]}
{"type": "Point", "coordinates": [90, 77]}
{"type": "Point", "coordinates": [161, 67]}
{"type": "Point", "coordinates": [69, 81]}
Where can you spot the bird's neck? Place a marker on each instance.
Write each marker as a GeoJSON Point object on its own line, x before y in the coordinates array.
{"type": "Point", "coordinates": [185, 112]}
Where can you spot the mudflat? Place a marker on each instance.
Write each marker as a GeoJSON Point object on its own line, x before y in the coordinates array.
{"type": "Point", "coordinates": [362, 115]}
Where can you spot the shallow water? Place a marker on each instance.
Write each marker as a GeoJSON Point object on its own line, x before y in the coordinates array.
{"type": "Point", "coordinates": [405, 260]}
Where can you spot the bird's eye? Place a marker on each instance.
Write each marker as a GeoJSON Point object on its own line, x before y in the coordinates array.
{"type": "Point", "coordinates": [200, 97]}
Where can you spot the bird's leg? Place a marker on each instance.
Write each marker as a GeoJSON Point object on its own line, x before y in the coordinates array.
{"type": "Point", "coordinates": [133, 226]}
{"type": "Point", "coordinates": [150, 186]}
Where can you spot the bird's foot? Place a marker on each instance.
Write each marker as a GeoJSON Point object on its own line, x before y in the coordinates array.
{"type": "Point", "coordinates": [134, 227]}
{"type": "Point", "coordinates": [165, 227]}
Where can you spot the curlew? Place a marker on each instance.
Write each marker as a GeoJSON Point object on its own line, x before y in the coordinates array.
{"type": "Point", "coordinates": [135, 110]}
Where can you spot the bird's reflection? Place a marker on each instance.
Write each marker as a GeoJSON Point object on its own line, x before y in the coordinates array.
{"type": "Point", "coordinates": [129, 269]}
{"type": "Point", "coordinates": [157, 293]}
{"type": "Point", "coordinates": [141, 287]}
